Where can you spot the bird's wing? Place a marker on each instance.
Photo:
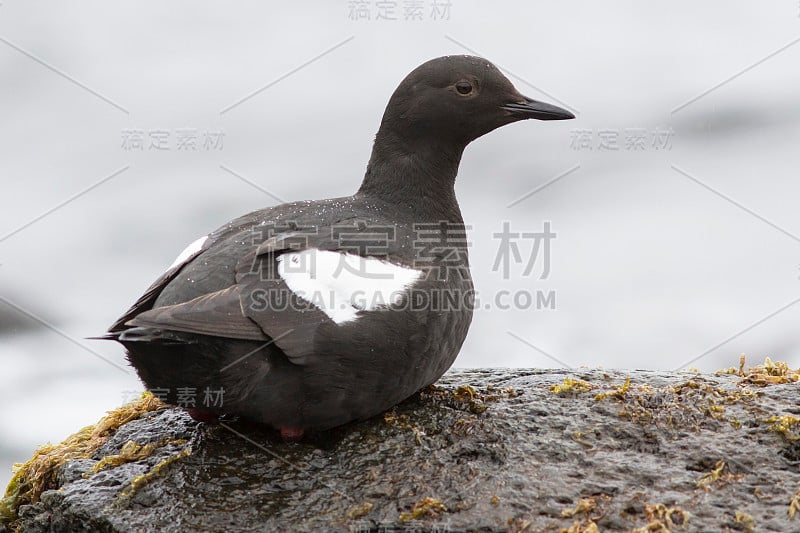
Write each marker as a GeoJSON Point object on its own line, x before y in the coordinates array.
{"type": "Point", "coordinates": [299, 290]}
{"type": "Point", "coordinates": [241, 228]}
{"type": "Point", "coordinates": [149, 297]}
{"type": "Point", "coordinates": [217, 314]}
{"type": "Point", "coordinates": [289, 288]}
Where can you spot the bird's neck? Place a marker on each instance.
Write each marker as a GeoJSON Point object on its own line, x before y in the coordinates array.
{"type": "Point", "coordinates": [416, 174]}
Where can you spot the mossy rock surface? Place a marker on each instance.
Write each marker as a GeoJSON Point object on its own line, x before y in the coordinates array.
{"type": "Point", "coordinates": [485, 450]}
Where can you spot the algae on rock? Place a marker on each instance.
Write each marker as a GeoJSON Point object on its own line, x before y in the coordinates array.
{"type": "Point", "coordinates": [490, 450]}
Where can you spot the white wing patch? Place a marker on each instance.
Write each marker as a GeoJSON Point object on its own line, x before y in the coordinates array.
{"type": "Point", "coordinates": [342, 284]}
{"type": "Point", "coordinates": [189, 251]}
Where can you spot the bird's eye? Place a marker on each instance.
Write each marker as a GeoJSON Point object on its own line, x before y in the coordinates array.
{"type": "Point", "coordinates": [464, 87]}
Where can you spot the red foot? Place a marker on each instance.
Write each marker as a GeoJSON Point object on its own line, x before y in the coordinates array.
{"type": "Point", "coordinates": [201, 415]}
{"type": "Point", "coordinates": [291, 434]}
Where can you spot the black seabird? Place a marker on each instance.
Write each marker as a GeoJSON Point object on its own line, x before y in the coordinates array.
{"type": "Point", "coordinates": [308, 315]}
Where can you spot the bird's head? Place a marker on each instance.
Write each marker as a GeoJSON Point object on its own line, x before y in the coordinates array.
{"type": "Point", "coordinates": [458, 99]}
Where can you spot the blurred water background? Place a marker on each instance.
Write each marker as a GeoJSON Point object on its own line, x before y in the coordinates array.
{"type": "Point", "coordinates": [673, 195]}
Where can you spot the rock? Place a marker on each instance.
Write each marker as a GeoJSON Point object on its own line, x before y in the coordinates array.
{"type": "Point", "coordinates": [484, 450]}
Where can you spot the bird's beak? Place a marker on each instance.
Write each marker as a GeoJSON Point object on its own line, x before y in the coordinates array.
{"type": "Point", "coordinates": [530, 108]}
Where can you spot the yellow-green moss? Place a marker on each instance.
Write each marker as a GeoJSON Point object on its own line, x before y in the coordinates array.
{"type": "Point", "coordinates": [744, 521]}
{"type": "Point", "coordinates": [589, 526]}
{"type": "Point", "coordinates": [39, 473]}
{"type": "Point", "coordinates": [711, 477]}
{"type": "Point", "coordinates": [785, 425]}
{"type": "Point", "coordinates": [570, 385]}
{"type": "Point", "coordinates": [618, 392]}
{"type": "Point", "coordinates": [720, 474]}
{"type": "Point", "coordinates": [427, 507]}
{"type": "Point", "coordinates": [404, 422]}
{"type": "Point", "coordinates": [140, 481]}
{"type": "Point", "coordinates": [584, 505]}
{"type": "Point", "coordinates": [768, 373]}
{"type": "Point", "coordinates": [360, 510]}
{"type": "Point", "coordinates": [794, 504]}
{"type": "Point", "coordinates": [591, 510]}
{"type": "Point", "coordinates": [663, 519]}
{"type": "Point", "coordinates": [132, 451]}
{"type": "Point", "coordinates": [468, 398]}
